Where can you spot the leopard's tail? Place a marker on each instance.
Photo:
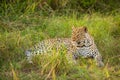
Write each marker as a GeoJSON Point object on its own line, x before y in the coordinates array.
{"type": "Point", "coordinates": [28, 55]}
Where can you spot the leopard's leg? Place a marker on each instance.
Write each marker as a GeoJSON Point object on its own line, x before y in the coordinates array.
{"type": "Point", "coordinates": [71, 58]}
{"type": "Point", "coordinates": [98, 59]}
{"type": "Point", "coordinates": [74, 57]}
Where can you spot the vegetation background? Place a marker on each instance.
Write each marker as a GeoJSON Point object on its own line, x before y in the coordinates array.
{"type": "Point", "coordinates": [23, 23]}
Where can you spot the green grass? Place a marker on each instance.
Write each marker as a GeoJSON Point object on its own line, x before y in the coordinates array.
{"type": "Point", "coordinates": [17, 35]}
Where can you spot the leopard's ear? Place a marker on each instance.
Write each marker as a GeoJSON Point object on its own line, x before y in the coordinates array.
{"type": "Point", "coordinates": [73, 27]}
{"type": "Point", "coordinates": [85, 29]}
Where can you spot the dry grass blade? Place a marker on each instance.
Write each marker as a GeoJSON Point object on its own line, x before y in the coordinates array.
{"type": "Point", "coordinates": [15, 77]}
{"type": "Point", "coordinates": [44, 67]}
{"type": "Point", "coordinates": [54, 75]}
{"type": "Point", "coordinates": [51, 71]}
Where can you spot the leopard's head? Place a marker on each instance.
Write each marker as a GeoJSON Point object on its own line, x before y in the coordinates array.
{"type": "Point", "coordinates": [81, 37]}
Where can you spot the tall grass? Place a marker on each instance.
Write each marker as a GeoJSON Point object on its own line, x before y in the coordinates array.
{"type": "Point", "coordinates": [104, 29]}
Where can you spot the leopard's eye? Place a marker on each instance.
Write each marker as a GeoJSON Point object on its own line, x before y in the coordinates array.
{"type": "Point", "coordinates": [78, 42]}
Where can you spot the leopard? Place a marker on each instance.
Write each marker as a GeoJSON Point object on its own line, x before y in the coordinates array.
{"type": "Point", "coordinates": [80, 44]}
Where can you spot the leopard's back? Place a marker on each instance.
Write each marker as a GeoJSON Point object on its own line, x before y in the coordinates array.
{"type": "Point", "coordinates": [47, 46]}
